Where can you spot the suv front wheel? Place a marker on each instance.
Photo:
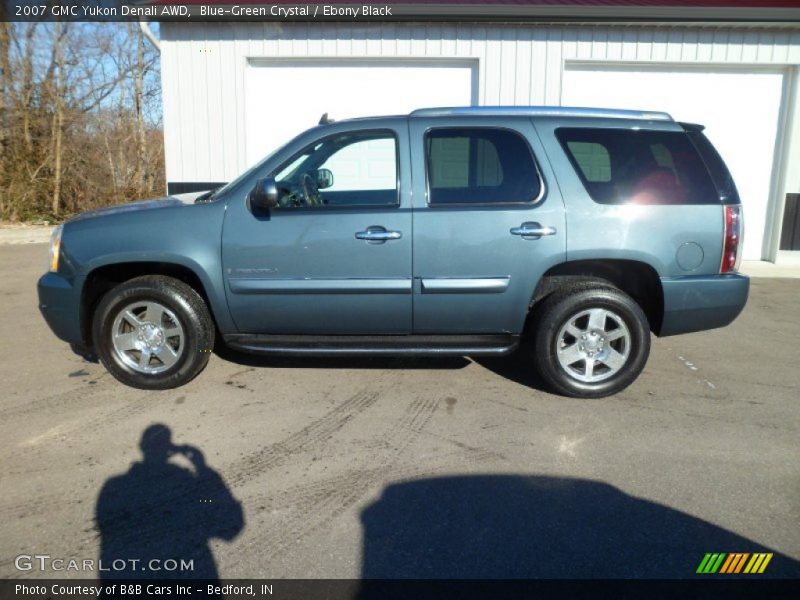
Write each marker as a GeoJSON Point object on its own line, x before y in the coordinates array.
{"type": "Point", "coordinates": [590, 341]}
{"type": "Point", "coordinates": [153, 332]}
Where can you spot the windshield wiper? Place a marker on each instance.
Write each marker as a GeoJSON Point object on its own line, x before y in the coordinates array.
{"type": "Point", "coordinates": [208, 196]}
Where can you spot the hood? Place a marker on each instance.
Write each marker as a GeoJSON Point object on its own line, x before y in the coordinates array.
{"type": "Point", "coordinates": [130, 207]}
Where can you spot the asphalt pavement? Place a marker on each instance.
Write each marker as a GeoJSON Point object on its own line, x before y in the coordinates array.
{"type": "Point", "coordinates": [402, 468]}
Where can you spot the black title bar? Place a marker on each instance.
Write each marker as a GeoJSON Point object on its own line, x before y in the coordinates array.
{"type": "Point", "coordinates": [348, 11]}
{"type": "Point", "coordinates": [378, 589]}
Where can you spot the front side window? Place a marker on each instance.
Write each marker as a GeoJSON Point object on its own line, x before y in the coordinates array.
{"type": "Point", "coordinates": [633, 166]}
{"type": "Point", "coordinates": [480, 166]}
{"type": "Point", "coordinates": [350, 169]}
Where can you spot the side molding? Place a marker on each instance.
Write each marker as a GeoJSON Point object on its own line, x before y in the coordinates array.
{"type": "Point", "coordinates": [319, 286]}
{"type": "Point", "coordinates": [487, 285]}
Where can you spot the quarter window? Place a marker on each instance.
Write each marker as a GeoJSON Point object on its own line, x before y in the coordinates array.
{"type": "Point", "coordinates": [479, 166]}
{"type": "Point", "coordinates": [620, 166]}
{"type": "Point", "coordinates": [719, 172]}
{"type": "Point", "coordinates": [593, 160]}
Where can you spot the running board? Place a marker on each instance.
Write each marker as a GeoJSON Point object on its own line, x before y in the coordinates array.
{"type": "Point", "coordinates": [343, 345]}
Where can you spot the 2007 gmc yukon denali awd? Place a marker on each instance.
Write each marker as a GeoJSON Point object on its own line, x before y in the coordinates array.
{"type": "Point", "coordinates": [446, 231]}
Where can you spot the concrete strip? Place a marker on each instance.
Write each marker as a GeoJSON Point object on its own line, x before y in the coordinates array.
{"type": "Point", "coordinates": [25, 234]}
{"type": "Point", "coordinates": [762, 268]}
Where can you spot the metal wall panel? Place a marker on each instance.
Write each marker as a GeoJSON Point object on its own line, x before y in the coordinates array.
{"type": "Point", "coordinates": [203, 67]}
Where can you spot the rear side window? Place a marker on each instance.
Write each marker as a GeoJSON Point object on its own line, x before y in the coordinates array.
{"type": "Point", "coordinates": [480, 166]}
{"type": "Point", "coordinates": [628, 166]}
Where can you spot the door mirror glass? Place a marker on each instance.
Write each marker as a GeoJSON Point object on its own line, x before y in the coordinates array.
{"type": "Point", "coordinates": [324, 179]}
{"type": "Point", "coordinates": [264, 195]}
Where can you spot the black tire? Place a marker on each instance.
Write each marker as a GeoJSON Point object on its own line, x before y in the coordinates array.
{"type": "Point", "coordinates": [185, 304]}
{"type": "Point", "coordinates": [553, 313]}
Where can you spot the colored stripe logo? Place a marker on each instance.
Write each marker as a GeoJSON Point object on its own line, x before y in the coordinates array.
{"type": "Point", "coordinates": [734, 562]}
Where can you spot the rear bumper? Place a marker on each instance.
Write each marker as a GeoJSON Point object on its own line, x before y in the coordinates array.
{"type": "Point", "coordinates": [60, 307]}
{"type": "Point", "coordinates": [702, 302]}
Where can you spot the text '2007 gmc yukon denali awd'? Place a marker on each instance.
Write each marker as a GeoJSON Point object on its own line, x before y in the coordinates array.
{"type": "Point", "coordinates": [446, 231]}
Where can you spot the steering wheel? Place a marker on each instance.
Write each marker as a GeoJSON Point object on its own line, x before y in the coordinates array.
{"type": "Point", "coordinates": [311, 195]}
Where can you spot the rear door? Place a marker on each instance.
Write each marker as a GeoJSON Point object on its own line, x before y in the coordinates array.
{"type": "Point", "coordinates": [488, 222]}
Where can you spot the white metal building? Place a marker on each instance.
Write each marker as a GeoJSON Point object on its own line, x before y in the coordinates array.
{"type": "Point", "coordinates": [234, 91]}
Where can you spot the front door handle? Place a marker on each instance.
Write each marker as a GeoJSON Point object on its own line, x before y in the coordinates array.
{"type": "Point", "coordinates": [532, 231]}
{"type": "Point", "coordinates": [378, 235]}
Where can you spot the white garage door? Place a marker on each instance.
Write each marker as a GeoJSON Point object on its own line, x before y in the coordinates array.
{"type": "Point", "coordinates": [739, 109]}
{"type": "Point", "coordinates": [284, 98]}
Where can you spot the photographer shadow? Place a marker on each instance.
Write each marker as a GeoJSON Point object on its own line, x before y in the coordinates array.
{"type": "Point", "coordinates": [156, 520]}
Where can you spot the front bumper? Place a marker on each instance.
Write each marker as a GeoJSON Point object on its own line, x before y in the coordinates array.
{"type": "Point", "coordinates": [60, 306]}
{"type": "Point", "coordinates": [700, 302]}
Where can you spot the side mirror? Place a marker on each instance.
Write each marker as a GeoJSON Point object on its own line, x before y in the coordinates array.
{"type": "Point", "coordinates": [264, 195]}
{"type": "Point", "coordinates": [324, 179]}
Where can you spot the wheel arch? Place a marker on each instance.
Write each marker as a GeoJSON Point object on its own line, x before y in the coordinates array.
{"type": "Point", "coordinates": [103, 278]}
{"type": "Point", "coordinates": [636, 278]}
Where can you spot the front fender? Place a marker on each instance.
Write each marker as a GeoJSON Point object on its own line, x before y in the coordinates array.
{"type": "Point", "coordinates": [188, 236]}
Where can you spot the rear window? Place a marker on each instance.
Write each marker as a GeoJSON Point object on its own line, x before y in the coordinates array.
{"type": "Point", "coordinates": [480, 166]}
{"type": "Point", "coordinates": [629, 166]}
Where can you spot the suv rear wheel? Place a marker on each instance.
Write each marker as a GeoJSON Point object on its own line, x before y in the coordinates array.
{"type": "Point", "coordinates": [590, 341]}
{"type": "Point", "coordinates": [153, 332]}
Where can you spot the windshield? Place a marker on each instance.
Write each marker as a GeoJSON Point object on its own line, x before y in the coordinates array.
{"type": "Point", "coordinates": [251, 171]}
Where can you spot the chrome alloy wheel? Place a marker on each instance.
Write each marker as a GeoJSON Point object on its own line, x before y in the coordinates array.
{"type": "Point", "coordinates": [593, 345]}
{"type": "Point", "coordinates": [147, 337]}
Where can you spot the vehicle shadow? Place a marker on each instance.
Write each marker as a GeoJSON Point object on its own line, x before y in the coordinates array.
{"type": "Point", "coordinates": [517, 367]}
{"type": "Point", "coordinates": [157, 518]}
{"type": "Point", "coordinates": [521, 526]}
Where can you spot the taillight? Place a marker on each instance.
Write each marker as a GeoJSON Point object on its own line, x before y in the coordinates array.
{"type": "Point", "coordinates": [732, 247]}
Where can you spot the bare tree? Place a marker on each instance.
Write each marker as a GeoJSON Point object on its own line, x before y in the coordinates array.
{"type": "Point", "coordinates": [80, 121]}
{"type": "Point", "coordinates": [4, 76]}
{"type": "Point", "coordinates": [59, 31]}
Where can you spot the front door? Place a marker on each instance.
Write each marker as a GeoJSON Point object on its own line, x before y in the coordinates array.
{"type": "Point", "coordinates": [335, 256]}
{"type": "Point", "coordinates": [488, 222]}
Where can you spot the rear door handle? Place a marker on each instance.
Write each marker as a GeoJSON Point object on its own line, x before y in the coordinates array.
{"type": "Point", "coordinates": [532, 231]}
{"type": "Point", "coordinates": [378, 235]}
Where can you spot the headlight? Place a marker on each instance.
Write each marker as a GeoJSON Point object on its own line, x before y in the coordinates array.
{"type": "Point", "coordinates": [55, 248]}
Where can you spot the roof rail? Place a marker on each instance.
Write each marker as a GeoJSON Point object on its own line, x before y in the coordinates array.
{"type": "Point", "coordinates": [541, 111]}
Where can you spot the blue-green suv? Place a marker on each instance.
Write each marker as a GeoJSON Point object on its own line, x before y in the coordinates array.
{"type": "Point", "coordinates": [447, 231]}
